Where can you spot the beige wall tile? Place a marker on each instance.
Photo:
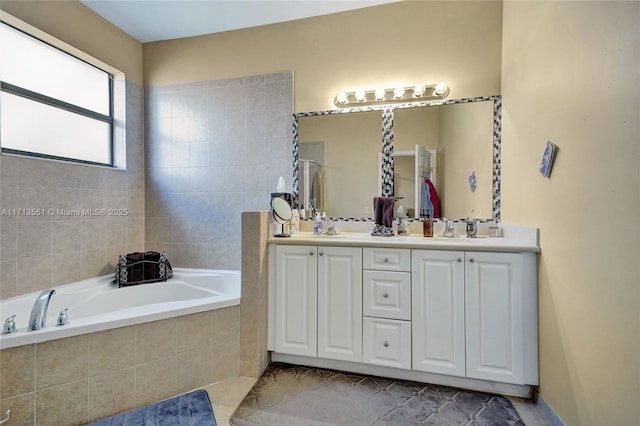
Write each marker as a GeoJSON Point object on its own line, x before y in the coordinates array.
{"type": "Point", "coordinates": [34, 238]}
{"type": "Point", "coordinates": [194, 370]}
{"type": "Point", "coordinates": [93, 233]}
{"type": "Point", "coordinates": [156, 340]}
{"type": "Point", "coordinates": [63, 405]}
{"type": "Point", "coordinates": [155, 381]}
{"type": "Point", "coordinates": [9, 238]}
{"type": "Point", "coordinates": [8, 278]}
{"type": "Point", "coordinates": [116, 230]}
{"type": "Point", "coordinates": [34, 172]}
{"type": "Point", "coordinates": [194, 332]}
{"type": "Point", "coordinates": [66, 236]}
{"type": "Point", "coordinates": [112, 350]}
{"type": "Point", "coordinates": [66, 268]}
{"type": "Point", "coordinates": [62, 361]}
{"type": "Point", "coordinates": [226, 324]}
{"type": "Point", "coordinates": [225, 361]}
{"type": "Point", "coordinates": [112, 393]}
{"type": "Point", "coordinates": [249, 327]}
{"type": "Point", "coordinates": [17, 370]}
{"type": "Point", "coordinates": [94, 263]}
{"type": "Point", "coordinates": [249, 369]}
{"type": "Point", "coordinates": [33, 274]}
{"type": "Point", "coordinates": [23, 409]}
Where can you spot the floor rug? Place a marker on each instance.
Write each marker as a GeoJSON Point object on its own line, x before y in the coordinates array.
{"type": "Point", "coordinates": [190, 409]}
{"type": "Point", "coordinates": [302, 396]}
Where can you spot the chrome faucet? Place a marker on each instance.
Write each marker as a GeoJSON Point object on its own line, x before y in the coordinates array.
{"type": "Point", "coordinates": [38, 317]}
{"type": "Point", "coordinates": [331, 228]}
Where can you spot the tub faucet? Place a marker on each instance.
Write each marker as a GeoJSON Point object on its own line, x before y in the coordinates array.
{"type": "Point", "coordinates": [38, 317]}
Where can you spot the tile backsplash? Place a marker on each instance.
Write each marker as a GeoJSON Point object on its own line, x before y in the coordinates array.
{"type": "Point", "coordinates": [61, 246]}
{"type": "Point", "coordinates": [214, 149]}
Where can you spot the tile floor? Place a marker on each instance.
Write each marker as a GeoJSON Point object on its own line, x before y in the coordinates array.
{"type": "Point", "coordinates": [226, 396]}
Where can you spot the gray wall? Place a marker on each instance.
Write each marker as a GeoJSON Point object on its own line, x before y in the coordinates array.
{"type": "Point", "coordinates": [214, 149]}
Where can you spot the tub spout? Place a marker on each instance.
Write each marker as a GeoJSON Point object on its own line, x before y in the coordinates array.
{"type": "Point", "coordinates": [38, 317]}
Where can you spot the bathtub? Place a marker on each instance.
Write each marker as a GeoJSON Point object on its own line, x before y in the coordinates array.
{"type": "Point", "coordinates": [98, 304]}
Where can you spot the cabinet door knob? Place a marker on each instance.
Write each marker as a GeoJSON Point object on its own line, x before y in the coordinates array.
{"type": "Point", "coordinates": [385, 344]}
{"type": "Point", "coordinates": [310, 253]}
{"type": "Point", "coordinates": [385, 295]}
{"type": "Point", "coordinates": [321, 253]}
{"type": "Point", "coordinates": [385, 260]}
{"type": "Point", "coordinates": [472, 260]}
{"type": "Point", "coordinates": [459, 259]}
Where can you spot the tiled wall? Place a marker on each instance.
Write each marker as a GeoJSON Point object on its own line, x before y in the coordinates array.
{"type": "Point", "coordinates": [85, 378]}
{"type": "Point", "coordinates": [214, 150]}
{"type": "Point", "coordinates": [44, 251]}
{"type": "Point", "coordinates": [254, 356]}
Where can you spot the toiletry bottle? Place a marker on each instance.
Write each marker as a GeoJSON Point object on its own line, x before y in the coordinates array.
{"type": "Point", "coordinates": [295, 221]}
{"type": "Point", "coordinates": [302, 213]}
{"type": "Point", "coordinates": [324, 222]}
{"type": "Point", "coordinates": [317, 229]}
{"type": "Point", "coordinates": [427, 227]}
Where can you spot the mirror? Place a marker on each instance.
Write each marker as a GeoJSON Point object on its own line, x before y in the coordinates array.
{"type": "Point", "coordinates": [282, 213]}
{"type": "Point", "coordinates": [455, 139]}
{"type": "Point", "coordinates": [346, 147]}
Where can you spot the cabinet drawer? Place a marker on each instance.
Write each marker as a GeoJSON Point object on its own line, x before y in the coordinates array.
{"type": "Point", "coordinates": [386, 342]}
{"type": "Point", "coordinates": [386, 294]}
{"type": "Point", "coordinates": [386, 259]}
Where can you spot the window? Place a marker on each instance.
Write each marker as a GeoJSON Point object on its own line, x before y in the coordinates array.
{"type": "Point", "coordinates": [53, 104]}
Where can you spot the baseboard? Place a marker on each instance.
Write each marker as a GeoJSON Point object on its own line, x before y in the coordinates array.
{"type": "Point", "coordinates": [548, 412]}
{"type": "Point", "coordinates": [522, 391]}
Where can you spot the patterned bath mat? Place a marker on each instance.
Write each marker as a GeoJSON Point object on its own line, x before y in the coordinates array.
{"type": "Point", "coordinates": [190, 409]}
{"type": "Point", "coordinates": [303, 396]}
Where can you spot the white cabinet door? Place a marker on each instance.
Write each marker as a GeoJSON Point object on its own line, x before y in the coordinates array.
{"type": "Point", "coordinates": [437, 314]}
{"type": "Point", "coordinates": [296, 300]}
{"type": "Point", "coordinates": [494, 295]}
{"type": "Point", "coordinates": [340, 303]}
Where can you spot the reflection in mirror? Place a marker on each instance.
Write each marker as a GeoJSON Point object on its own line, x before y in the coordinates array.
{"type": "Point", "coordinates": [454, 139]}
{"type": "Point", "coordinates": [460, 139]}
{"type": "Point", "coordinates": [346, 147]}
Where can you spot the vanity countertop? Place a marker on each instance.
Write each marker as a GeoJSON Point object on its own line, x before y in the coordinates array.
{"type": "Point", "coordinates": [518, 242]}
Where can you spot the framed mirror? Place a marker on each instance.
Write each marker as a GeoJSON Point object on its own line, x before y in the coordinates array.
{"type": "Point", "coordinates": [365, 152]}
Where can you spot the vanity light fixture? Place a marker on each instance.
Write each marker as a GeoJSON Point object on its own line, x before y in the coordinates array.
{"type": "Point", "coordinates": [400, 94]}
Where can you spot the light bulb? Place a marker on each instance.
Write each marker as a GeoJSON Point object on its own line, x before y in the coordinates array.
{"type": "Point", "coordinates": [441, 88]}
{"type": "Point", "coordinates": [360, 95]}
{"type": "Point", "coordinates": [419, 90]}
{"type": "Point", "coordinates": [341, 97]}
{"type": "Point", "coordinates": [380, 93]}
{"type": "Point", "coordinates": [398, 92]}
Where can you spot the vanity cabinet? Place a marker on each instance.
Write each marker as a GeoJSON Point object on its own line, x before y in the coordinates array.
{"type": "Point", "coordinates": [465, 318]}
{"type": "Point", "coordinates": [319, 301]}
{"type": "Point", "coordinates": [474, 315]}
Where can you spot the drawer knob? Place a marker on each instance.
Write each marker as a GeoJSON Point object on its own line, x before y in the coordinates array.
{"type": "Point", "coordinates": [385, 260]}
{"type": "Point", "coordinates": [385, 344]}
{"type": "Point", "coordinates": [385, 295]}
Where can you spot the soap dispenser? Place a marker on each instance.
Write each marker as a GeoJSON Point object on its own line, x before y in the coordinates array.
{"type": "Point", "coordinates": [317, 228]}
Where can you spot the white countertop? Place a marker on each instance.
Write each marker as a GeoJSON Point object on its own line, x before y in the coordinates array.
{"type": "Point", "coordinates": [522, 240]}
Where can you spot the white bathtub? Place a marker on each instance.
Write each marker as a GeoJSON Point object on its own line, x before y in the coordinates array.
{"type": "Point", "coordinates": [98, 304]}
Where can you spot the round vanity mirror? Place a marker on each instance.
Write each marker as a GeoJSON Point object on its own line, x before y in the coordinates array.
{"type": "Point", "coordinates": [281, 214]}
